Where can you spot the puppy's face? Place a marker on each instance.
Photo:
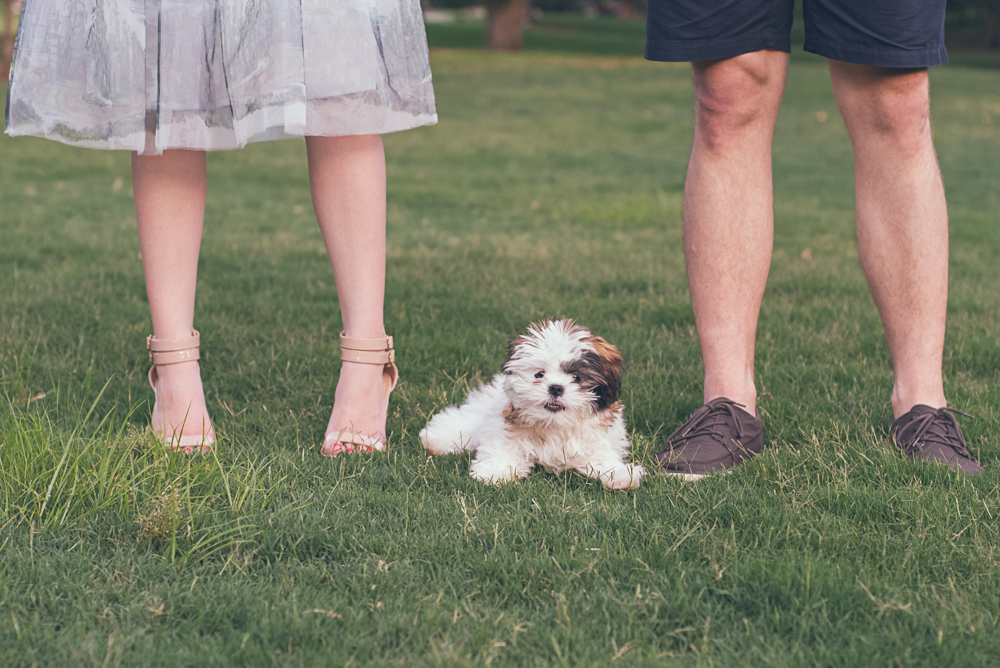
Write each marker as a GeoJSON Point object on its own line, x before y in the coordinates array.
{"type": "Point", "coordinates": [559, 372]}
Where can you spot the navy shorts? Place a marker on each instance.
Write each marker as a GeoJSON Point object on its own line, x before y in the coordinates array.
{"type": "Point", "coordinates": [885, 33]}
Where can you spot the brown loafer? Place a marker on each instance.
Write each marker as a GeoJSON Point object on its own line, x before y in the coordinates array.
{"type": "Point", "coordinates": [933, 434]}
{"type": "Point", "coordinates": [715, 439]}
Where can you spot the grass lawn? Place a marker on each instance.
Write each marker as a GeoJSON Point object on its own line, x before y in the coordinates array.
{"type": "Point", "coordinates": [551, 187]}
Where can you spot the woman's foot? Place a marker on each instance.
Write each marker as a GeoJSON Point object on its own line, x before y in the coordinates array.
{"type": "Point", "coordinates": [180, 410]}
{"type": "Point", "coordinates": [359, 408]}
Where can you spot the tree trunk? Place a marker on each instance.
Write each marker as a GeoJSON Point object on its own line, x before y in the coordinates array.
{"type": "Point", "coordinates": [504, 21]}
{"type": "Point", "coordinates": [7, 46]}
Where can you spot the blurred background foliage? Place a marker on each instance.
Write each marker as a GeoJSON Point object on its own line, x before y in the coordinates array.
{"type": "Point", "coordinates": [970, 24]}
{"type": "Point", "coordinates": [973, 24]}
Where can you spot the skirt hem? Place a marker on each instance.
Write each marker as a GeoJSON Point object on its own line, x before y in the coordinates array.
{"type": "Point", "coordinates": [138, 144]}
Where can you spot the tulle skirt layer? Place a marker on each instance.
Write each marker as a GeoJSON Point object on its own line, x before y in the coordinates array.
{"type": "Point", "coordinates": [150, 75]}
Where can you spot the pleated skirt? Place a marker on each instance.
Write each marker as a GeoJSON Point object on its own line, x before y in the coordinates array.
{"type": "Point", "coordinates": [150, 75]}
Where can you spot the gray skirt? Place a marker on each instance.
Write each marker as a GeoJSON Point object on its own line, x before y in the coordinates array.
{"type": "Point", "coordinates": [150, 75]}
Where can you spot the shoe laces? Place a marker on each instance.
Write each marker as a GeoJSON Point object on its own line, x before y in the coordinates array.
{"type": "Point", "coordinates": [940, 427]}
{"type": "Point", "coordinates": [709, 420]}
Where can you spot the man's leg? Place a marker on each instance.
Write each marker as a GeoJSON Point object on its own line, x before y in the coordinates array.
{"type": "Point", "coordinates": [728, 213]}
{"type": "Point", "coordinates": [728, 234]}
{"type": "Point", "coordinates": [901, 218]}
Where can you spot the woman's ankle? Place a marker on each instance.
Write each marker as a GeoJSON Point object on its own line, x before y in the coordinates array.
{"type": "Point", "coordinates": [181, 395]}
{"type": "Point", "coordinates": [359, 399]}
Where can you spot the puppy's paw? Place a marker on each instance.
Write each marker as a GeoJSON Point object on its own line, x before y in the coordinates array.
{"type": "Point", "coordinates": [437, 445]}
{"type": "Point", "coordinates": [426, 441]}
{"type": "Point", "coordinates": [623, 477]}
{"type": "Point", "coordinates": [493, 474]}
{"type": "Point", "coordinates": [495, 480]}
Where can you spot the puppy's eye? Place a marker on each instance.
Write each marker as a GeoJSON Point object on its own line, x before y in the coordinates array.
{"type": "Point", "coordinates": [539, 374]}
{"type": "Point", "coordinates": [576, 378]}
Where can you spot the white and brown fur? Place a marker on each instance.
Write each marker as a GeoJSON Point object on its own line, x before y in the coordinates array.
{"type": "Point", "coordinates": [555, 404]}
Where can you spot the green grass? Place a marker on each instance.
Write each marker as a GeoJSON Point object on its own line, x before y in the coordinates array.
{"type": "Point", "coordinates": [551, 187]}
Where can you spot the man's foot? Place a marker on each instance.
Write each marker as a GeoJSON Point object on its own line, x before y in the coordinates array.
{"type": "Point", "coordinates": [359, 408]}
{"type": "Point", "coordinates": [933, 434]}
{"type": "Point", "coordinates": [716, 438]}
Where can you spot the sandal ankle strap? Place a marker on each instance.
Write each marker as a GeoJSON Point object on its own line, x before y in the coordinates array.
{"type": "Point", "coordinates": [173, 351]}
{"type": "Point", "coordinates": [367, 351]}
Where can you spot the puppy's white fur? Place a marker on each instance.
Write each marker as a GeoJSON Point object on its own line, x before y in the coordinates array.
{"type": "Point", "coordinates": [522, 418]}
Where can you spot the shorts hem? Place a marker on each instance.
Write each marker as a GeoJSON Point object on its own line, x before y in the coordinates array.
{"type": "Point", "coordinates": [681, 52]}
{"type": "Point", "coordinates": [877, 56]}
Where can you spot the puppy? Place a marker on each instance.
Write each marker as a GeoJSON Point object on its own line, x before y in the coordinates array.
{"type": "Point", "coordinates": [555, 404]}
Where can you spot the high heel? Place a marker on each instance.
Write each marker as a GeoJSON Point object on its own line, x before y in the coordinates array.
{"type": "Point", "coordinates": [364, 351]}
{"type": "Point", "coordinates": [174, 351]}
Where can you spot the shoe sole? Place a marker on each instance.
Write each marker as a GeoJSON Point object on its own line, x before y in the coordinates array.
{"type": "Point", "coordinates": [692, 477]}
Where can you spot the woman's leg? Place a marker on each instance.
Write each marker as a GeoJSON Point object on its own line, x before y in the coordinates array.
{"type": "Point", "coordinates": [169, 194]}
{"type": "Point", "coordinates": [347, 178]}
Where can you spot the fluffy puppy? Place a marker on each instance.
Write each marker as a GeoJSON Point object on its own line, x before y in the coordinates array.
{"type": "Point", "coordinates": [555, 404]}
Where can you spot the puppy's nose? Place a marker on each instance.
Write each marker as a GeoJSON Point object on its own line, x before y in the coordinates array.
{"type": "Point", "coordinates": [556, 390]}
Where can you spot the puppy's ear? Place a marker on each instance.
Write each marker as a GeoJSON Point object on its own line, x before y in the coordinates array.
{"type": "Point", "coordinates": [606, 366]}
{"type": "Point", "coordinates": [511, 352]}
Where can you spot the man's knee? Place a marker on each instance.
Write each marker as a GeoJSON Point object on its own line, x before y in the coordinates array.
{"type": "Point", "coordinates": [736, 96]}
{"type": "Point", "coordinates": [903, 116]}
{"type": "Point", "coordinates": [894, 107]}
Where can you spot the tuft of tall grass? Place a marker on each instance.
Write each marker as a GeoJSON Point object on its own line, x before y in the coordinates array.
{"type": "Point", "coordinates": [117, 473]}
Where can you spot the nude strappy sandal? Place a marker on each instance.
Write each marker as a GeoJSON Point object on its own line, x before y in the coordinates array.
{"type": "Point", "coordinates": [162, 352]}
{"type": "Point", "coordinates": [364, 351]}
